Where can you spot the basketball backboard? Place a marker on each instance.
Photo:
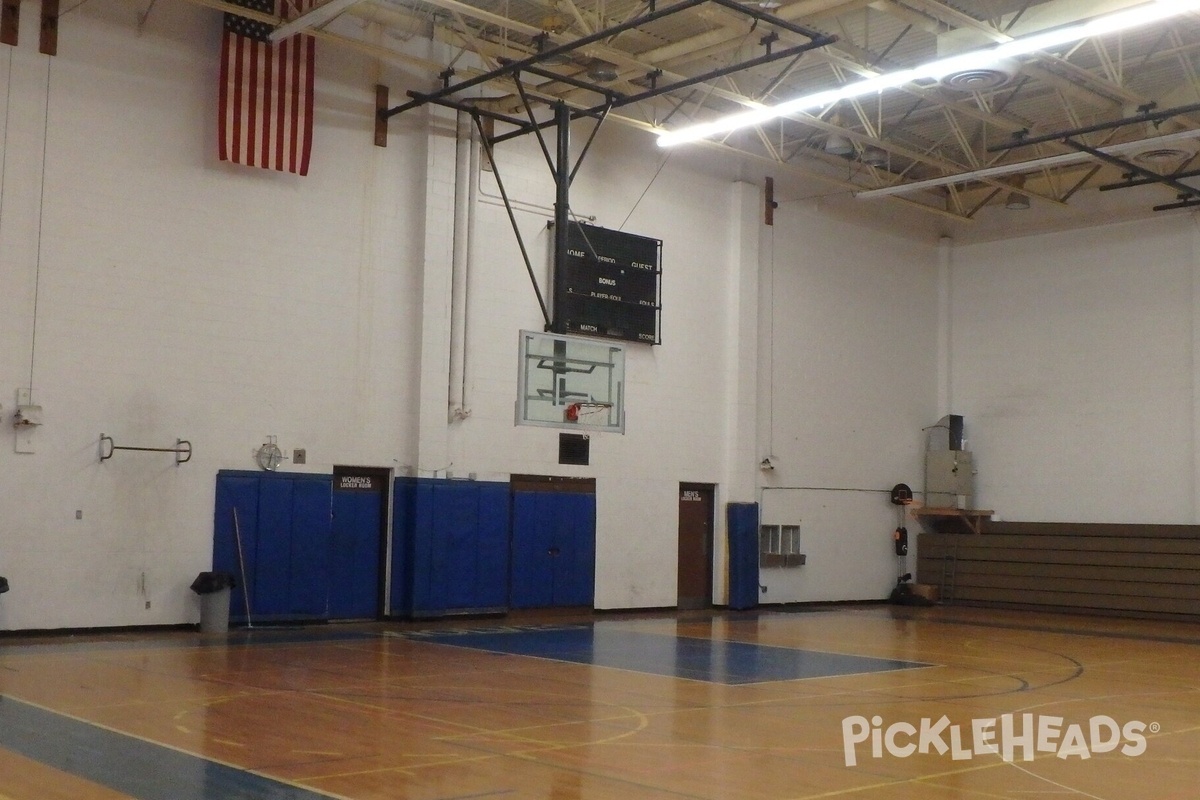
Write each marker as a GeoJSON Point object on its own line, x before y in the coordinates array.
{"type": "Point", "coordinates": [570, 382]}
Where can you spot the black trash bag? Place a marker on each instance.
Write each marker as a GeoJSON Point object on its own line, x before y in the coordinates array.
{"type": "Point", "coordinates": [211, 582]}
{"type": "Point", "coordinates": [3, 585]}
{"type": "Point", "coordinates": [903, 595]}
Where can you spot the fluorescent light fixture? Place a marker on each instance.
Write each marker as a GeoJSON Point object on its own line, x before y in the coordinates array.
{"type": "Point", "coordinates": [1146, 14]}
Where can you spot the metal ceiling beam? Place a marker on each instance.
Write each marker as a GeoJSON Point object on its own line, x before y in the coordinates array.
{"type": "Point", "coordinates": [1149, 116]}
{"type": "Point", "coordinates": [313, 18]}
{"type": "Point", "coordinates": [1132, 182]}
{"type": "Point", "coordinates": [375, 51]}
{"type": "Point", "coordinates": [1129, 166]}
{"type": "Point", "coordinates": [794, 11]}
{"type": "Point", "coordinates": [1029, 166]}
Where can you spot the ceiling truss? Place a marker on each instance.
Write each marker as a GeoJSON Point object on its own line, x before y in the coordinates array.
{"type": "Point", "coordinates": [705, 58]}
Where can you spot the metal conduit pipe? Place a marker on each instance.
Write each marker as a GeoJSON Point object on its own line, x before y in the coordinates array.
{"type": "Point", "coordinates": [460, 265]}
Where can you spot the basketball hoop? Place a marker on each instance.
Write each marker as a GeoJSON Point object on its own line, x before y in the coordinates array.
{"type": "Point", "coordinates": [584, 412]}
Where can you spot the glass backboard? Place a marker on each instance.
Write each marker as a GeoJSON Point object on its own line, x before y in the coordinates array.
{"type": "Point", "coordinates": [571, 383]}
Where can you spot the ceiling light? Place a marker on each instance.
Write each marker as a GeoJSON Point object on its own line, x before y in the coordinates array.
{"type": "Point", "coordinates": [838, 145]}
{"type": "Point", "coordinates": [1017, 200]}
{"type": "Point", "coordinates": [602, 72]}
{"type": "Point", "coordinates": [936, 70]}
{"type": "Point", "coordinates": [873, 156]}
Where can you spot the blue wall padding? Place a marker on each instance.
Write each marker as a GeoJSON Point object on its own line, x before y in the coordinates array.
{"type": "Point", "coordinates": [285, 523]}
{"type": "Point", "coordinates": [236, 492]}
{"type": "Point", "coordinates": [742, 525]}
{"type": "Point", "coordinates": [553, 549]}
{"type": "Point", "coordinates": [449, 546]}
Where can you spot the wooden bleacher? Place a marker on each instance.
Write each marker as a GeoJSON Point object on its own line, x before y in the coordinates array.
{"type": "Point", "coordinates": [1112, 569]}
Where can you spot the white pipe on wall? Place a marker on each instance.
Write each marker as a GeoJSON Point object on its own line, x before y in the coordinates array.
{"type": "Point", "coordinates": [464, 182]}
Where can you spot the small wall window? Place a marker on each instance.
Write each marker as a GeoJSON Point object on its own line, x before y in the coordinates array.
{"type": "Point", "coordinates": [779, 546]}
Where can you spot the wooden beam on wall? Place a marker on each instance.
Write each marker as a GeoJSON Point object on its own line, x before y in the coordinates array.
{"type": "Point", "coordinates": [381, 123]}
{"type": "Point", "coordinates": [770, 204]}
{"type": "Point", "coordinates": [49, 38]}
{"type": "Point", "coordinates": [10, 21]}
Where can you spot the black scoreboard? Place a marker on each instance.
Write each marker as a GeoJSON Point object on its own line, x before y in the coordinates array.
{"type": "Point", "coordinates": [611, 285]}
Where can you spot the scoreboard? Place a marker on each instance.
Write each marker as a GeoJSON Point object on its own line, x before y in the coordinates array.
{"type": "Point", "coordinates": [611, 285]}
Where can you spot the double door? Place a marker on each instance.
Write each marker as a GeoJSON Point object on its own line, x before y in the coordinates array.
{"type": "Point", "coordinates": [553, 542]}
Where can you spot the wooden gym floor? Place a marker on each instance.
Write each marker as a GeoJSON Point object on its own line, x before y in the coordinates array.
{"type": "Point", "coordinates": [727, 706]}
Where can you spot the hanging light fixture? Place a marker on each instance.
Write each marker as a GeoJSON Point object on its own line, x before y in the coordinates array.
{"type": "Point", "coordinates": [836, 144]}
{"type": "Point", "coordinates": [602, 72]}
{"type": "Point", "coordinates": [1017, 200]}
{"type": "Point", "coordinates": [873, 156]}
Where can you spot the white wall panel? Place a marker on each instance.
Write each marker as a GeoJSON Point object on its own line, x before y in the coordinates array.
{"type": "Point", "coordinates": [1072, 363]}
{"type": "Point", "coordinates": [849, 381]}
{"type": "Point", "coordinates": [181, 297]}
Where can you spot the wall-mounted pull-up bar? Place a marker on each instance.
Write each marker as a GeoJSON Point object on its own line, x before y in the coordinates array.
{"type": "Point", "coordinates": [182, 449]}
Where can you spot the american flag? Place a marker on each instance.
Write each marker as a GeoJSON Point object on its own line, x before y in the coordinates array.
{"type": "Point", "coordinates": [266, 93]}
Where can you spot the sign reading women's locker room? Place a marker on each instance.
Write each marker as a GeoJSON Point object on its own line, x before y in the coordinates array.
{"type": "Point", "coordinates": [355, 483]}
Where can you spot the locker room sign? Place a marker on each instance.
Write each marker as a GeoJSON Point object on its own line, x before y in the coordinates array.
{"type": "Point", "coordinates": [355, 483]}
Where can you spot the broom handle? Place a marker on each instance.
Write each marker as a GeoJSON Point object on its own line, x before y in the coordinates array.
{"type": "Point", "coordinates": [237, 532]}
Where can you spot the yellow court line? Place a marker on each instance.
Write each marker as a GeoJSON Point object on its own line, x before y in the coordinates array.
{"type": "Point", "coordinates": [632, 713]}
{"type": "Point", "coordinates": [523, 754]}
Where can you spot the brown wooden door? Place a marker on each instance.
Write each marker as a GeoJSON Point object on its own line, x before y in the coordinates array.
{"type": "Point", "coordinates": [695, 544]}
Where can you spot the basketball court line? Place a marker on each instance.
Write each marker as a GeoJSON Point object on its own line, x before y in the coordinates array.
{"type": "Point", "coordinates": [132, 764]}
{"type": "Point", "coordinates": [723, 661]}
{"type": "Point", "coordinates": [1032, 628]}
{"type": "Point", "coordinates": [543, 746]}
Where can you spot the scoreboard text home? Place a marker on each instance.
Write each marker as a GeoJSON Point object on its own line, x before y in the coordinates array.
{"type": "Point", "coordinates": [611, 286]}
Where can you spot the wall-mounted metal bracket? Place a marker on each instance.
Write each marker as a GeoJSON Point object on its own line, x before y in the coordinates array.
{"type": "Point", "coordinates": [182, 449]}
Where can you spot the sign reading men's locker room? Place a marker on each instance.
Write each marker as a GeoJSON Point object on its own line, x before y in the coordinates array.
{"type": "Point", "coordinates": [613, 281]}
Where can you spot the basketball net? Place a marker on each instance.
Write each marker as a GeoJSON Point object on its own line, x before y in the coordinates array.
{"type": "Point", "coordinates": [585, 412]}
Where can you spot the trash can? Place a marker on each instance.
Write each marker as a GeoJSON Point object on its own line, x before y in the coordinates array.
{"type": "Point", "coordinates": [214, 589]}
{"type": "Point", "coordinates": [3, 585]}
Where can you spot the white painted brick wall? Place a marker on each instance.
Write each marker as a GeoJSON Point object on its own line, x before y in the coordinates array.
{"type": "Point", "coordinates": [182, 297]}
{"type": "Point", "coordinates": [1073, 365]}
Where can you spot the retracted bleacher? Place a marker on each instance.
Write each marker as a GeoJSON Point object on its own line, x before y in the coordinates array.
{"type": "Point", "coordinates": [1112, 569]}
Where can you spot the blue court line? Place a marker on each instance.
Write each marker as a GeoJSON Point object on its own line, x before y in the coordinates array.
{"type": "Point", "coordinates": [129, 765]}
{"type": "Point", "coordinates": [711, 660]}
